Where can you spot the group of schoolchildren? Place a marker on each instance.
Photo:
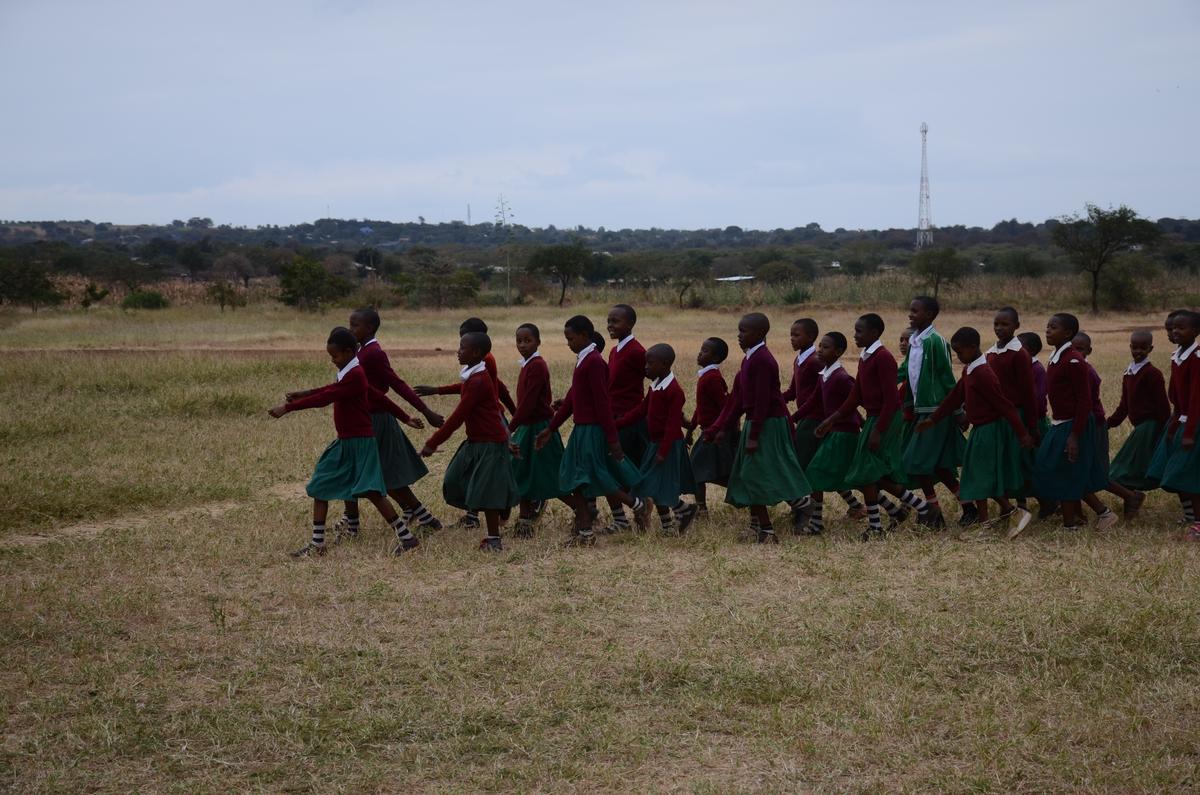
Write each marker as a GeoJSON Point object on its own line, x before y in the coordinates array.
{"type": "Point", "coordinates": [1036, 431]}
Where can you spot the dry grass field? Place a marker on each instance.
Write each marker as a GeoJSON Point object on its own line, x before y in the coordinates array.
{"type": "Point", "coordinates": [157, 638]}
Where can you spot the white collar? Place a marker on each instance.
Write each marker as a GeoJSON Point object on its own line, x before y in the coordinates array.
{"type": "Point", "coordinates": [920, 335]}
{"type": "Point", "coordinates": [368, 342]}
{"type": "Point", "coordinates": [1054, 357]}
{"type": "Point", "coordinates": [1135, 367]}
{"type": "Point", "coordinates": [874, 346]}
{"type": "Point", "coordinates": [1175, 355]}
{"type": "Point", "coordinates": [708, 368]}
{"type": "Point", "coordinates": [830, 370]}
{"type": "Point", "coordinates": [1013, 345]}
{"type": "Point", "coordinates": [622, 343]}
{"type": "Point", "coordinates": [1034, 360]}
{"type": "Point", "coordinates": [1184, 354]}
{"type": "Point", "coordinates": [981, 360]}
{"type": "Point", "coordinates": [467, 372]}
{"type": "Point", "coordinates": [350, 365]}
{"type": "Point", "coordinates": [583, 353]}
{"type": "Point", "coordinates": [803, 355]}
{"type": "Point", "coordinates": [663, 382]}
{"type": "Point", "coordinates": [532, 356]}
{"type": "Point", "coordinates": [751, 351]}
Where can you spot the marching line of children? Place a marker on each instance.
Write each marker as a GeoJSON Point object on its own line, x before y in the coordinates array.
{"type": "Point", "coordinates": [1034, 431]}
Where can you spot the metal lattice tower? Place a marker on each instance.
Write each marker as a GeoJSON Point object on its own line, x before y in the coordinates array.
{"type": "Point", "coordinates": [924, 217]}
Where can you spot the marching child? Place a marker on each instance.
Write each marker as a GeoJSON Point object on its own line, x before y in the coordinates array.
{"type": "Point", "coordinates": [480, 476]}
{"type": "Point", "coordinates": [536, 471]}
{"type": "Point", "coordinates": [1165, 445]}
{"type": "Point", "coordinates": [765, 469]}
{"type": "Point", "coordinates": [1032, 344]}
{"type": "Point", "coordinates": [992, 461]}
{"type": "Point", "coordinates": [711, 462]}
{"type": "Point", "coordinates": [1105, 516]}
{"type": "Point", "coordinates": [626, 389]}
{"type": "Point", "coordinates": [1177, 458]}
{"type": "Point", "coordinates": [593, 463]}
{"type": "Point", "coordinates": [1144, 402]}
{"type": "Point", "coordinates": [349, 468]}
{"type": "Point", "coordinates": [665, 472]}
{"type": "Point", "coordinates": [1013, 366]}
{"type": "Point", "coordinates": [835, 452]}
{"type": "Point", "coordinates": [805, 383]}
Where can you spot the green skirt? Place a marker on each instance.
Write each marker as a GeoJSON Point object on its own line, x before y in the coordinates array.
{"type": "Point", "coordinates": [992, 463]}
{"type": "Point", "coordinates": [828, 468]}
{"type": "Point", "coordinates": [885, 463]}
{"type": "Point", "coordinates": [348, 468]}
{"type": "Point", "coordinates": [480, 478]}
{"type": "Point", "coordinates": [713, 461]}
{"type": "Point", "coordinates": [401, 465]}
{"type": "Point", "coordinates": [1162, 453]}
{"type": "Point", "coordinates": [1043, 426]}
{"type": "Point", "coordinates": [1182, 470]}
{"type": "Point", "coordinates": [536, 471]}
{"type": "Point", "coordinates": [908, 429]}
{"type": "Point", "coordinates": [772, 474]}
{"type": "Point", "coordinates": [1132, 461]}
{"type": "Point", "coordinates": [940, 447]}
{"type": "Point", "coordinates": [805, 441]}
{"type": "Point", "coordinates": [634, 440]}
{"type": "Point", "coordinates": [586, 465]}
{"type": "Point", "coordinates": [665, 482]}
{"type": "Point", "coordinates": [1055, 477]}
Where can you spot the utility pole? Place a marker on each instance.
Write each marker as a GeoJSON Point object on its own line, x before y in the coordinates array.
{"type": "Point", "coordinates": [924, 216]}
{"type": "Point", "coordinates": [504, 221]}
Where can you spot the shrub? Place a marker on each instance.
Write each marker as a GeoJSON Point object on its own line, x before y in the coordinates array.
{"type": "Point", "coordinates": [145, 299]}
{"type": "Point", "coordinates": [1123, 283]}
{"type": "Point", "coordinates": [797, 295]}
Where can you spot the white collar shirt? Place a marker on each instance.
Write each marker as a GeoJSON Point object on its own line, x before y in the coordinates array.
{"type": "Point", "coordinates": [916, 355]}
{"type": "Point", "coordinates": [350, 365]}
{"type": "Point", "coordinates": [532, 356]}
{"type": "Point", "coordinates": [467, 372]}
{"type": "Point", "coordinates": [708, 368]}
{"type": "Point", "coordinates": [830, 370]}
{"type": "Point", "coordinates": [973, 365]}
{"type": "Point", "coordinates": [583, 353]}
{"type": "Point", "coordinates": [1054, 357]}
{"type": "Point", "coordinates": [874, 346]}
{"type": "Point", "coordinates": [622, 343]}
{"type": "Point", "coordinates": [750, 351]}
{"type": "Point", "coordinates": [663, 382]}
{"type": "Point", "coordinates": [802, 357]}
{"type": "Point", "coordinates": [1012, 345]}
{"type": "Point", "coordinates": [1135, 367]}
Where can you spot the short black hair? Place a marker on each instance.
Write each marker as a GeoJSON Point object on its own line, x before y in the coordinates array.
{"type": "Point", "coordinates": [580, 324]}
{"type": "Point", "coordinates": [629, 311]}
{"type": "Point", "coordinates": [1012, 311]}
{"type": "Point", "coordinates": [369, 315]}
{"type": "Point", "coordinates": [478, 341]}
{"type": "Point", "coordinates": [537, 335]}
{"type": "Point", "coordinates": [930, 303]}
{"type": "Point", "coordinates": [810, 327]}
{"type": "Point", "coordinates": [598, 341]}
{"type": "Point", "coordinates": [343, 338]}
{"type": "Point", "coordinates": [1086, 337]}
{"type": "Point", "coordinates": [907, 332]}
{"type": "Point", "coordinates": [1193, 318]}
{"type": "Point", "coordinates": [758, 320]}
{"type": "Point", "coordinates": [838, 339]}
{"type": "Point", "coordinates": [873, 321]}
{"type": "Point", "coordinates": [966, 336]}
{"type": "Point", "coordinates": [1068, 320]}
{"type": "Point", "coordinates": [662, 351]}
{"type": "Point", "coordinates": [1144, 333]}
{"type": "Point", "coordinates": [1031, 341]}
{"type": "Point", "coordinates": [720, 348]}
{"type": "Point", "coordinates": [472, 324]}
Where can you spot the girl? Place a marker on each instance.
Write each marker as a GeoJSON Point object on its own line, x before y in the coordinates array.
{"type": "Point", "coordinates": [1180, 465]}
{"type": "Point", "coordinates": [835, 453]}
{"type": "Point", "coordinates": [805, 382]}
{"type": "Point", "coordinates": [1144, 402]}
{"type": "Point", "coordinates": [536, 471]}
{"type": "Point", "coordinates": [711, 462]}
{"type": "Point", "coordinates": [626, 389]}
{"type": "Point", "coordinates": [1166, 444]}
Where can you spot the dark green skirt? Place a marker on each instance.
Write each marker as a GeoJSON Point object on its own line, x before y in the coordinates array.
{"type": "Point", "coordinates": [1043, 426]}
{"type": "Point", "coordinates": [871, 467]}
{"type": "Point", "coordinates": [772, 474]}
{"type": "Point", "coordinates": [991, 464]}
{"type": "Point", "coordinates": [634, 440]}
{"type": "Point", "coordinates": [805, 441]}
{"type": "Point", "coordinates": [1162, 453]}
{"type": "Point", "coordinates": [1055, 477]}
{"type": "Point", "coordinates": [713, 461]}
{"type": "Point", "coordinates": [348, 468]}
{"type": "Point", "coordinates": [940, 447]}
{"type": "Point", "coordinates": [828, 468]}
{"type": "Point", "coordinates": [480, 477]}
{"type": "Point", "coordinates": [1132, 461]}
{"type": "Point", "coordinates": [665, 482]}
{"type": "Point", "coordinates": [1182, 470]}
{"type": "Point", "coordinates": [907, 430]}
{"type": "Point", "coordinates": [401, 465]}
{"type": "Point", "coordinates": [587, 466]}
{"type": "Point", "coordinates": [536, 471]}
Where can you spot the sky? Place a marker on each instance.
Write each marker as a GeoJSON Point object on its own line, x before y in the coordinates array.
{"type": "Point", "coordinates": [615, 114]}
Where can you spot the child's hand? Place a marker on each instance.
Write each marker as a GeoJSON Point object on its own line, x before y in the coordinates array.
{"type": "Point", "coordinates": [1027, 442]}
{"type": "Point", "coordinates": [751, 446]}
{"type": "Point", "coordinates": [923, 426]}
{"type": "Point", "coordinates": [434, 419]}
{"type": "Point", "coordinates": [963, 422]}
{"type": "Point", "coordinates": [614, 450]}
{"type": "Point", "coordinates": [689, 440]}
{"type": "Point", "coordinates": [414, 422]}
{"type": "Point", "coordinates": [542, 438]}
{"type": "Point", "coordinates": [822, 430]}
{"type": "Point", "coordinates": [278, 411]}
{"type": "Point", "coordinates": [556, 405]}
{"type": "Point", "coordinates": [1072, 449]}
{"type": "Point", "coordinates": [873, 440]}
{"type": "Point", "coordinates": [514, 449]}
{"type": "Point", "coordinates": [425, 391]}
{"type": "Point", "coordinates": [291, 396]}
{"type": "Point", "coordinates": [719, 438]}
{"type": "Point", "coordinates": [427, 451]}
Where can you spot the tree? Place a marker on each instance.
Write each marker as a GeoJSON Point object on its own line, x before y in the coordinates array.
{"type": "Point", "coordinates": [24, 281]}
{"type": "Point", "coordinates": [563, 262]}
{"type": "Point", "coordinates": [695, 266]}
{"type": "Point", "coordinates": [938, 266]}
{"type": "Point", "coordinates": [196, 222]}
{"type": "Point", "coordinates": [224, 294]}
{"type": "Point", "coordinates": [307, 284]}
{"type": "Point", "coordinates": [776, 272]}
{"type": "Point", "coordinates": [1092, 242]}
{"type": "Point", "coordinates": [234, 266]}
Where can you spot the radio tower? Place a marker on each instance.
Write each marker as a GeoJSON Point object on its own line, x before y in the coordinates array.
{"type": "Point", "coordinates": [924, 218]}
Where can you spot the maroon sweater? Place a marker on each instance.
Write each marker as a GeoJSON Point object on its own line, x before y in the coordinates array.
{"type": "Point", "coordinates": [587, 399]}
{"type": "Point", "coordinates": [381, 376]}
{"type": "Point", "coordinates": [875, 389]}
{"type": "Point", "coordinates": [626, 376]}
{"type": "Point", "coordinates": [478, 409]}
{"type": "Point", "coordinates": [1185, 378]}
{"type": "Point", "coordinates": [1014, 370]}
{"type": "Point", "coordinates": [826, 400]}
{"type": "Point", "coordinates": [1094, 385]}
{"type": "Point", "coordinates": [1068, 390]}
{"type": "Point", "coordinates": [755, 394]}
{"type": "Point", "coordinates": [980, 393]}
{"type": "Point", "coordinates": [533, 394]}
{"type": "Point", "coordinates": [489, 363]}
{"type": "Point", "coordinates": [1143, 397]}
{"type": "Point", "coordinates": [1039, 389]}
{"type": "Point", "coordinates": [352, 400]}
{"type": "Point", "coordinates": [711, 394]}
{"type": "Point", "coordinates": [806, 381]}
{"type": "Point", "coordinates": [663, 412]}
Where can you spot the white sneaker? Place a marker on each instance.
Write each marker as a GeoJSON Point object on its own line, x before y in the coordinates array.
{"type": "Point", "coordinates": [1024, 517]}
{"type": "Point", "coordinates": [1107, 520]}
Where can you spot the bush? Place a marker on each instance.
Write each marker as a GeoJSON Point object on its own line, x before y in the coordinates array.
{"type": "Point", "coordinates": [145, 299]}
{"type": "Point", "coordinates": [777, 272]}
{"type": "Point", "coordinates": [376, 293]}
{"type": "Point", "coordinates": [307, 284]}
{"type": "Point", "coordinates": [1121, 287]}
{"type": "Point", "coordinates": [797, 295]}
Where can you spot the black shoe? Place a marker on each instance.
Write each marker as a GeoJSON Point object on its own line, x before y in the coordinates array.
{"type": "Point", "coordinates": [309, 550]}
{"type": "Point", "coordinates": [581, 540]}
{"type": "Point", "coordinates": [405, 544]}
{"type": "Point", "coordinates": [430, 525]}
{"type": "Point", "coordinates": [767, 537]}
{"type": "Point", "coordinates": [800, 517]}
{"type": "Point", "coordinates": [685, 518]}
{"type": "Point", "coordinates": [895, 521]}
{"type": "Point", "coordinates": [468, 522]}
{"type": "Point", "coordinates": [1047, 508]}
{"type": "Point", "coordinates": [538, 507]}
{"type": "Point", "coordinates": [933, 521]}
{"type": "Point", "coordinates": [491, 544]}
{"type": "Point", "coordinates": [872, 535]}
{"type": "Point", "coordinates": [523, 528]}
{"type": "Point", "coordinates": [970, 516]}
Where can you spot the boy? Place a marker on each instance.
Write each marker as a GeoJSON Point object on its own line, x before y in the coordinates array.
{"type": "Point", "coordinates": [992, 461]}
{"type": "Point", "coordinates": [711, 462]}
{"type": "Point", "coordinates": [937, 453]}
{"type": "Point", "coordinates": [1144, 402]}
{"type": "Point", "coordinates": [805, 382]}
{"type": "Point", "coordinates": [479, 477]}
{"type": "Point", "coordinates": [765, 469]}
{"type": "Point", "coordinates": [626, 374]}
{"type": "Point", "coordinates": [665, 472]}
{"type": "Point", "coordinates": [349, 467]}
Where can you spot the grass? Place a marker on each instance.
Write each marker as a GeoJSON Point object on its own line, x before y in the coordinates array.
{"type": "Point", "coordinates": [161, 641]}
